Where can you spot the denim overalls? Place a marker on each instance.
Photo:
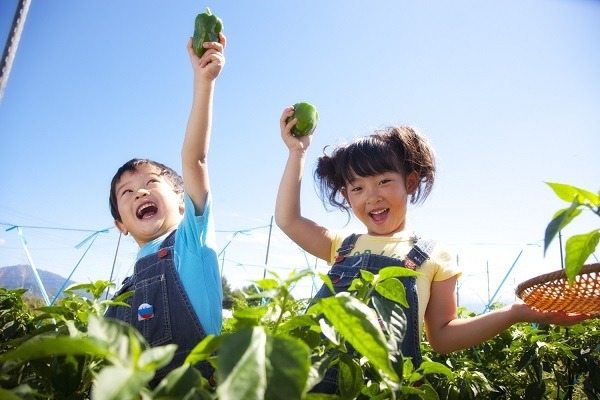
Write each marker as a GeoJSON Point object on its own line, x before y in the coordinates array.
{"type": "Point", "coordinates": [160, 308]}
{"type": "Point", "coordinates": [346, 268]}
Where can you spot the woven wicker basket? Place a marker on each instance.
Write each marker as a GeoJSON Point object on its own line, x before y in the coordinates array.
{"type": "Point", "coordinates": [551, 292]}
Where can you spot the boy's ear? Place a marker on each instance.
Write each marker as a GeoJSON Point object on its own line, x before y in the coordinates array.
{"type": "Point", "coordinates": [121, 227]}
{"type": "Point", "coordinates": [181, 203]}
{"type": "Point", "coordinates": [412, 182]}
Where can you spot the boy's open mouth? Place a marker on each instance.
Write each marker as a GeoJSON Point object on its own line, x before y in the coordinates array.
{"type": "Point", "coordinates": [146, 210]}
{"type": "Point", "coordinates": [379, 215]}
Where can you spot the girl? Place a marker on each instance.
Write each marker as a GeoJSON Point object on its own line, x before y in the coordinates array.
{"type": "Point", "coordinates": [375, 177]}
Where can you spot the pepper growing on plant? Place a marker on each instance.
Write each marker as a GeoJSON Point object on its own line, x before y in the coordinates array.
{"type": "Point", "coordinates": [206, 29]}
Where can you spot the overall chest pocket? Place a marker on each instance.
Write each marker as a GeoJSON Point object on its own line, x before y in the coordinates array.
{"type": "Point", "coordinates": [149, 311]}
{"type": "Point", "coordinates": [342, 276]}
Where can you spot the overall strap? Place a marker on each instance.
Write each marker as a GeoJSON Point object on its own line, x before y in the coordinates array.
{"type": "Point", "coordinates": [169, 240]}
{"type": "Point", "coordinates": [348, 244]}
{"type": "Point", "coordinates": [419, 253]}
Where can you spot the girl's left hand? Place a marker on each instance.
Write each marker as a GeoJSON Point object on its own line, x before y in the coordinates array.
{"type": "Point", "coordinates": [529, 314]}
{"type": "Point", "coordinates": [292, 142]}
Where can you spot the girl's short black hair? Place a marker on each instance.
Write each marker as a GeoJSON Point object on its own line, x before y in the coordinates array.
{"type": "Point", "coordinates": [395, 148]}
{"type": "Point", "coordinates": [132, 166]}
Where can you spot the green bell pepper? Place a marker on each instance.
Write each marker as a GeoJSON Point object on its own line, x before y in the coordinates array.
{"type": "Point", "coordinates": [206, 29]}
{"type": "Point", "coordinates": [308, 118]}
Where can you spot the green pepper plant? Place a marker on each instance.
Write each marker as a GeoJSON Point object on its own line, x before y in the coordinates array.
{"type": "Point", "coordinates": [578, 248]}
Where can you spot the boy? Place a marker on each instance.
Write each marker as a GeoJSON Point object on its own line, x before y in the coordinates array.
{"type": "Point", "coordinates": [176, 282]}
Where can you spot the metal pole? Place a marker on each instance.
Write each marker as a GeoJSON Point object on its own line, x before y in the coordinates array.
{"type": "Point", "coordinates": [268, 245]}
{"type": "Point", "coordinates": [35, 272]}
{"type": "Point", "coordinates": [487, 307]}
{"type": "Point", "coordinates": [114, 263]}
{"type": "Point", "coordinates": [12, 42]}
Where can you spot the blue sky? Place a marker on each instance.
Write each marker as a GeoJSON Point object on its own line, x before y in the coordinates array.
{"type": "Point", "coordinates": [508, 92]}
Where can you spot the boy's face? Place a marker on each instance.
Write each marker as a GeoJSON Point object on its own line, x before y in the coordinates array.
{"type": "Point", "coordinates": [148, 204]}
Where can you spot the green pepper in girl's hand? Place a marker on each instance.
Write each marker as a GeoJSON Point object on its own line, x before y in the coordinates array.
{"type": "Point", "coordinates": [206, 29]}
{"type": "Point", "coordinates": [308, 118]}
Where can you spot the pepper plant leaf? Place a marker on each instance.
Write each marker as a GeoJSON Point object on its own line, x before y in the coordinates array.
{"type": "Point", "coordinates": [254, 365]}
{"type": "Point", "coordinates": [395, 272]}
{"type": "Point", "coordinates": [350, 377]}
{"type": "Point", "coordinates": [181, 383]}
{"type": "Point", "coordinates": [578, 249]}
{"type": "Point", "coordinates": [394, 290]}
{"type": "Point", "coordinates": [359, 326]}
{"type": "Point", "coordinates": [569, 192]}
{"type": "Point", "coordinates": [203, 350]}
{"type": "Point", "coordinates": [561, 219]}
{"type": "Point", "coordinates": [116, 382]}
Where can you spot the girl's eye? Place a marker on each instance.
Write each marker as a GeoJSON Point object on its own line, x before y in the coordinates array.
{"type": "Point", "coordinates": [356, 189]}
{"type": "Point", "coordinates": [124, 192]}
{"type": "Point", "coordinates": [383, 181]}
{"type": "Point", "coordinates": [151, 181]}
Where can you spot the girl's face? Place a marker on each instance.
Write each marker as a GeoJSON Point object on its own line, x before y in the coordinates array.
{"type": "Point", "coordinates": [148, 204]}
{"type": "Point", "coordinates": [379, 201]}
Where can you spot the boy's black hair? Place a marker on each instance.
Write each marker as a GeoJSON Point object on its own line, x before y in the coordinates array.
{"type": "Point", "coordinates": [132, 166]}
{"type": "Point", "coordinates": [396, 148]}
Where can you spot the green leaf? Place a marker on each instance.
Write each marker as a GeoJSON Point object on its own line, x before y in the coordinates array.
{"type": "Point", "coordinates": [53, 346]}
{"type": "Point", "coordinates": [254, 365]}
{"type": "Point", "coordinates": [394, 322]}
{"type": "Point", "coordinates": [430, 367]}
{"type": "Point", "coordinates": [179, 383]}
{"type": "Point", "coordinates": [569, 192]}
{"type": "Point", "coordinates": [329, 332]}
{"type": "Point", "coordinates": [297, 321]}
{"type": "Point", "coordinates": [120, 383]}
{"type": "Point", "coordinates": [296, 276]}
{"type": "Point", "coordinates": [206, 348]}
{"type": "Point", "coordinates": [367, 275]}
{"type": "Point", "coordinates": [358, 324]}
{"type": "Point", "coordinates": [350, 378]}
{"type": "Point", "coordinates": [267, 284]}
{"type": "Point", "coordinates": [327, 281]}
{"type": "Point", "coordinates": [561, 219]}
{"type": "Point", "coordinates": [288, 365]}
{"type": "Point", "coordinates": [241, 359]}
{"type": "Point", "coordinates": [393, 290]}
{"type": "Point", "coordinates": [157, 357]}
{"type": "Point", "coordinates": [395, 272]}
{"type": "Point", "coordinates": [249, 317]}
{"type": "Point", "coordinates": [578, 249]}
{"type": "Point", "coordinates": [18, 393]}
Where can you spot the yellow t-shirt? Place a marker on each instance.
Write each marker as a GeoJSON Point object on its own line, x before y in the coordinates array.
{"type": "Point", "coordinates": [439, 267]}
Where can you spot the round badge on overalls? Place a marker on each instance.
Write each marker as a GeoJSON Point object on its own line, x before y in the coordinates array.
{"type": "Point", "coordinates": [145, 311]}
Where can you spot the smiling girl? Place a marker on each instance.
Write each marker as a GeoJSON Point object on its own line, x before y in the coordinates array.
{"type": "Point", "coordinates": [374, 178]}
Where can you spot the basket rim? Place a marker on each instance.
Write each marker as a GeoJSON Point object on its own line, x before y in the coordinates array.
{"type": "Point", "coordinates": [554, 276]}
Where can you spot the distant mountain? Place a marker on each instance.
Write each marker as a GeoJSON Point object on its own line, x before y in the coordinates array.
{"type": "Point", "coordinates": [21, 276]}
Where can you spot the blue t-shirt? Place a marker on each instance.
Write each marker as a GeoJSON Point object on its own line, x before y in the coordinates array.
{"type": "Point", "coordinates": [195, 258]}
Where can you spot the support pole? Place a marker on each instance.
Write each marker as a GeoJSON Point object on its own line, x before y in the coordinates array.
{"type": "Point", "coordinates": [487, 307]}
{"type": "Point", "coordinates": [35, 272]}
{"type": "Point", "coordinates": [12, 42]}
{"type": "Point", "coordinates": [268, 246]}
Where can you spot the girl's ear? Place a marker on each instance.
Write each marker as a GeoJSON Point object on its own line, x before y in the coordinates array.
{"type": "Point", "coordinates": [121, 227]}
{"type": "Point", "coordinates": [412, 182]}
{"type": "Point", "coordinates": [344, 194]}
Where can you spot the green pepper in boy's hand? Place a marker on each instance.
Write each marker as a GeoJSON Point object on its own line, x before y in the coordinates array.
{"type": "Point", "coordinates": [308, 118]}
{"type": "Point", "coordinates": [206, 29]}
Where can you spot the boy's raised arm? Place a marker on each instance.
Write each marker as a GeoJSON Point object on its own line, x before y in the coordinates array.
{"type": "Point", "coordinates": [194, 152]}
